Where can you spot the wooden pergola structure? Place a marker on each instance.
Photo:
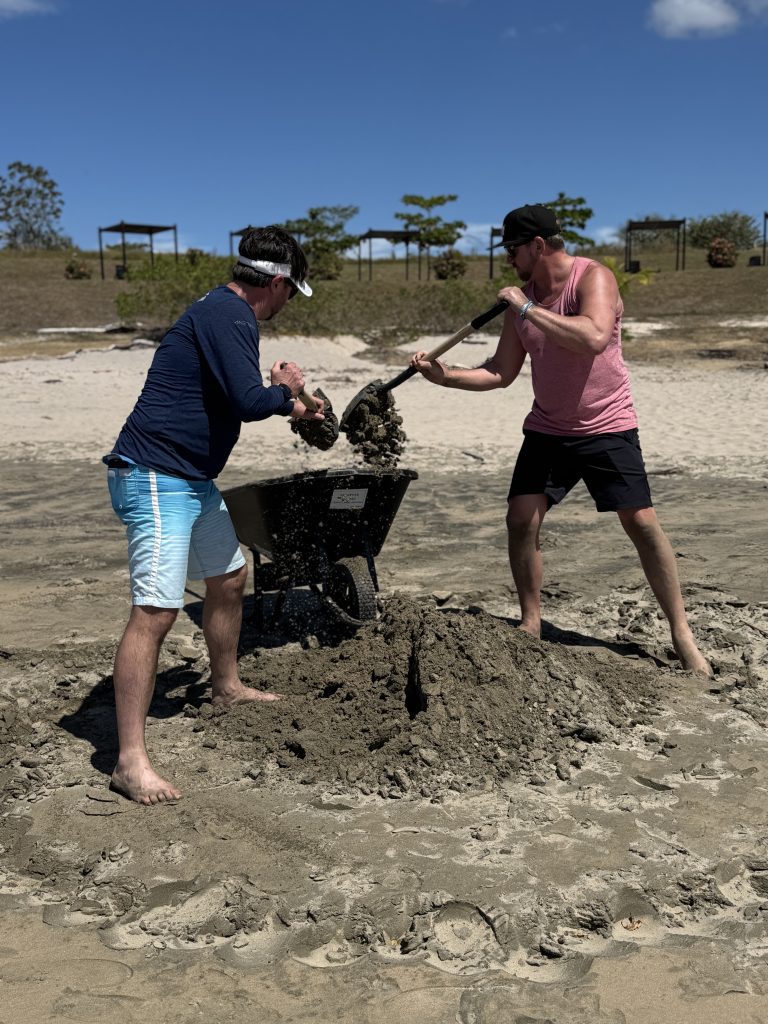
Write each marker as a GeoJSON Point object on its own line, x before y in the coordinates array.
{"type": "Point", "coordinates": [124, 229]}
{"type": "Point", "coordinates": [393, 235]}
{"type": "Point", "coordinates": [495, 233]}
{"type": "Point", "coordinates": [631, 266]}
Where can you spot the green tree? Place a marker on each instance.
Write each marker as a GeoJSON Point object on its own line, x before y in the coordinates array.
{"type": "Point", "coordinates": [433, 230]}
{"type": "Point", "coordinates": [324, 238]}
{"type": "Point", "coordinates": [738, 228]}
{"type": "Point", "coordinates": [572, 212]}
{"type": "Point", "coordinates": [30, 208]}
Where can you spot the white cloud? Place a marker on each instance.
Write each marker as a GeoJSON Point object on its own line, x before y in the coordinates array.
{"type": "Point", "coordinates": [18, 8]}
{"type": "Point", "coordinates": [473, 241]}
{"type": "Point", "coordinates": [605, 235]}
{"type": "Point", "coordinates": [476, 238]}
{"type": "Point", "coordinates": [675, 19]}
{"type": "Point", "coordinates": [163, 242]}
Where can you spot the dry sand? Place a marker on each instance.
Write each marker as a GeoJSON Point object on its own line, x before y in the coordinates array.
{"type": "Point", "coordinates": [443, 819]}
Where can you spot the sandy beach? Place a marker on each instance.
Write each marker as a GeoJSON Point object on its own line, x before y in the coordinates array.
{"type": "Point", "coordinates": [443, 819]}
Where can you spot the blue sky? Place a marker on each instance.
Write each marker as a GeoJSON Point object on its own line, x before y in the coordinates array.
{"type": "Point", "coordinates": [213, 115]}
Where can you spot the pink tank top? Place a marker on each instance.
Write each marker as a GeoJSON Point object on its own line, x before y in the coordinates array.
{"type": "Point", "coordinates": [576, 393]}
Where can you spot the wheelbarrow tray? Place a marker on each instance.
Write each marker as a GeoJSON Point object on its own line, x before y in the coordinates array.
{"type": "Point", "coordinates": [305, 522]}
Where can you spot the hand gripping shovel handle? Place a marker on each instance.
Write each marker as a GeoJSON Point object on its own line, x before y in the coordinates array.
{"type": "Point", "coordinates": [460, 335]}
{"type": "Point", "coordinates": [307, 400]}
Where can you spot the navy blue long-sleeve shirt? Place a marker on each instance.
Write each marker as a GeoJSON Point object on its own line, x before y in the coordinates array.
{"type": "Point", "coordinates": [204, 381]}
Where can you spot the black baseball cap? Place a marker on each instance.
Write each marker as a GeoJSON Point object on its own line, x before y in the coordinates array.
{"type": "Point", "coordinates": [526, 223]}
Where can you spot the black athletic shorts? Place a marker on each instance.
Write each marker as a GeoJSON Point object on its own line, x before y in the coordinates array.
{"type": "Point", "coordinates": [611, 466]}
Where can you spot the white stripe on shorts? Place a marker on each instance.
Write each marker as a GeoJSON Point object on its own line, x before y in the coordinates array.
{"type": "Point", "coordinates": [158, 534]}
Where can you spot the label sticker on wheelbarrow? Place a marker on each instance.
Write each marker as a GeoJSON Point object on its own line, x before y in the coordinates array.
{"type": "Point", "coordinates": [349, 497]}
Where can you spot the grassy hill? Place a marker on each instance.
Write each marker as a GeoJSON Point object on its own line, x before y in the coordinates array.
{"type": "Point", "coordinates": [391, 311]}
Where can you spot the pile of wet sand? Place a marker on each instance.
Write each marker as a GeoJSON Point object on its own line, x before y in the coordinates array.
{"type": "Point", "coordinates": [419, 704]}
{"type": "Point", "coordinates": [427, 701]}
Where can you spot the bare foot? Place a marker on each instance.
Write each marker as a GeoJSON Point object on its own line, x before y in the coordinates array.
{"type": "Point", "coordinates": [142, 784]}
{"type": "Point", "coordinates": [691, 658]}
{"type": "Point", "coordinates": [531, 626]}
{"type": "Point", "coordinates": [240, 694]}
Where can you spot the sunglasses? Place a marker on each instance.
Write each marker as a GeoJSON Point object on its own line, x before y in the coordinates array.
{"type": "Point", "coordinates": [511, 250]}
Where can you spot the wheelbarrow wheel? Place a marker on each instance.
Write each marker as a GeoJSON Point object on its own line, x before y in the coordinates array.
{"type": "Point", "coordinates": [349, 587]}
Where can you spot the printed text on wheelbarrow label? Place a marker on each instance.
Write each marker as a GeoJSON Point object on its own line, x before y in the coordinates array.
{"type": "Point", "coordinates": [349, 497]}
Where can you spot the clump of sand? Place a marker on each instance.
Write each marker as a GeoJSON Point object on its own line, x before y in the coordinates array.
{"type": "Point", "coordinates": [375, 429]}
{"type": "Point", "coordinates": [321, 434]}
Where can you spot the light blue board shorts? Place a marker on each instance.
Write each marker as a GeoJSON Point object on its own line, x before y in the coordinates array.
{"type": "Point", "coordinates": [177, 530]}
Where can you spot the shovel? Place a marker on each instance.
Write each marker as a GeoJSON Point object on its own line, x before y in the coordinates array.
{"type": "Point", "coordinates": [380, 388]}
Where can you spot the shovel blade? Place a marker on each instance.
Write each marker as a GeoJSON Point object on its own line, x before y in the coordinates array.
{"type": "Point", "coordinates": [369, 389]}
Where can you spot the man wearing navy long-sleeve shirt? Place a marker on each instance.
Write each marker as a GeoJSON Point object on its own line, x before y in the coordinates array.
{"type": "Point", "coordinates": [205, 380]}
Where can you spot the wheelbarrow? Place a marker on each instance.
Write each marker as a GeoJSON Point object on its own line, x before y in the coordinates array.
{"type": "Point", "coordinates": [321, 529]}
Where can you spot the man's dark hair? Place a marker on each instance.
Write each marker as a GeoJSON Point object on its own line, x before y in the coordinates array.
{"type": "Point", "coordinates": [273, 244]}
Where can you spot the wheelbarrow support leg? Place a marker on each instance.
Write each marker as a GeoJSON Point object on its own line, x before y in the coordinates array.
{"type": "Point", "coordinates": [371, 564]}
{"type": "Point", "coordinates": [257, 614]}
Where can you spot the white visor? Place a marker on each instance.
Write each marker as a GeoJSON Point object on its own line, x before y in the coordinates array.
{"type": "Point", "coordinates": [273, 269]}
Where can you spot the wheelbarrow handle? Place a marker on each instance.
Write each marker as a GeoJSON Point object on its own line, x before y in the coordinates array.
{"type": "Point", "coordinates": [460, 335]}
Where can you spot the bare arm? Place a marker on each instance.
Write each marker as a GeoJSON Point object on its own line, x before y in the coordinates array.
{"type": "Point", "coordinates": [589, 332]}
{"type": "Point", "coordinates": [497, 372]}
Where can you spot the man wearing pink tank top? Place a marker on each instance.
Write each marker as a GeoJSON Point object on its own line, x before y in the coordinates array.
{"type": "Point", "coordinates": [583, 426]}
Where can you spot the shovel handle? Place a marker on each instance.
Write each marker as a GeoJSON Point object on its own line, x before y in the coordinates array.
{"type": "Point", "coordinates": [460, 335]}
{"type": "Point", "coordinates": [308, 401]}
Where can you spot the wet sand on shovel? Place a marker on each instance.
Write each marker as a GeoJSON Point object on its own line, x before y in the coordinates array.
{"type": "Point", "coordinates": [443, 818]}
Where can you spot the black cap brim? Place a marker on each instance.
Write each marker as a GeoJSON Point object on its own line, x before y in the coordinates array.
{"type": "Point", "coordinates": [513, 241]}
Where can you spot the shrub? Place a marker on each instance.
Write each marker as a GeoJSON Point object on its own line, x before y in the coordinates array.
{"type": "Point", "coordinates": [624, 279]}
{"type": "Point", "coordinates": [382, 313]}
{"type": "Point", "coordinates": [449, 265]}
{"type": "Point", "coordinates": [164, 290]}
{"type": "Point", "coordinates": [76, 269]}
{"type": "Point", "coordinates": [324, 263]}
{"type": "Point", "coordinates": [722, 253]}
{"type": "Point", "coordinates": [739, 228]}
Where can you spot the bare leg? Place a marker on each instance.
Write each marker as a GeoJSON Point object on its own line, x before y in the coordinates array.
{"type": "Point", "coordinates": [659, 565]}
{"type": "Point", "coordinates": [524, 518]}
{"type": "Point", "coordinates": [222, 618]}
{"type": "Point", "coordinates": [134, 679]}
